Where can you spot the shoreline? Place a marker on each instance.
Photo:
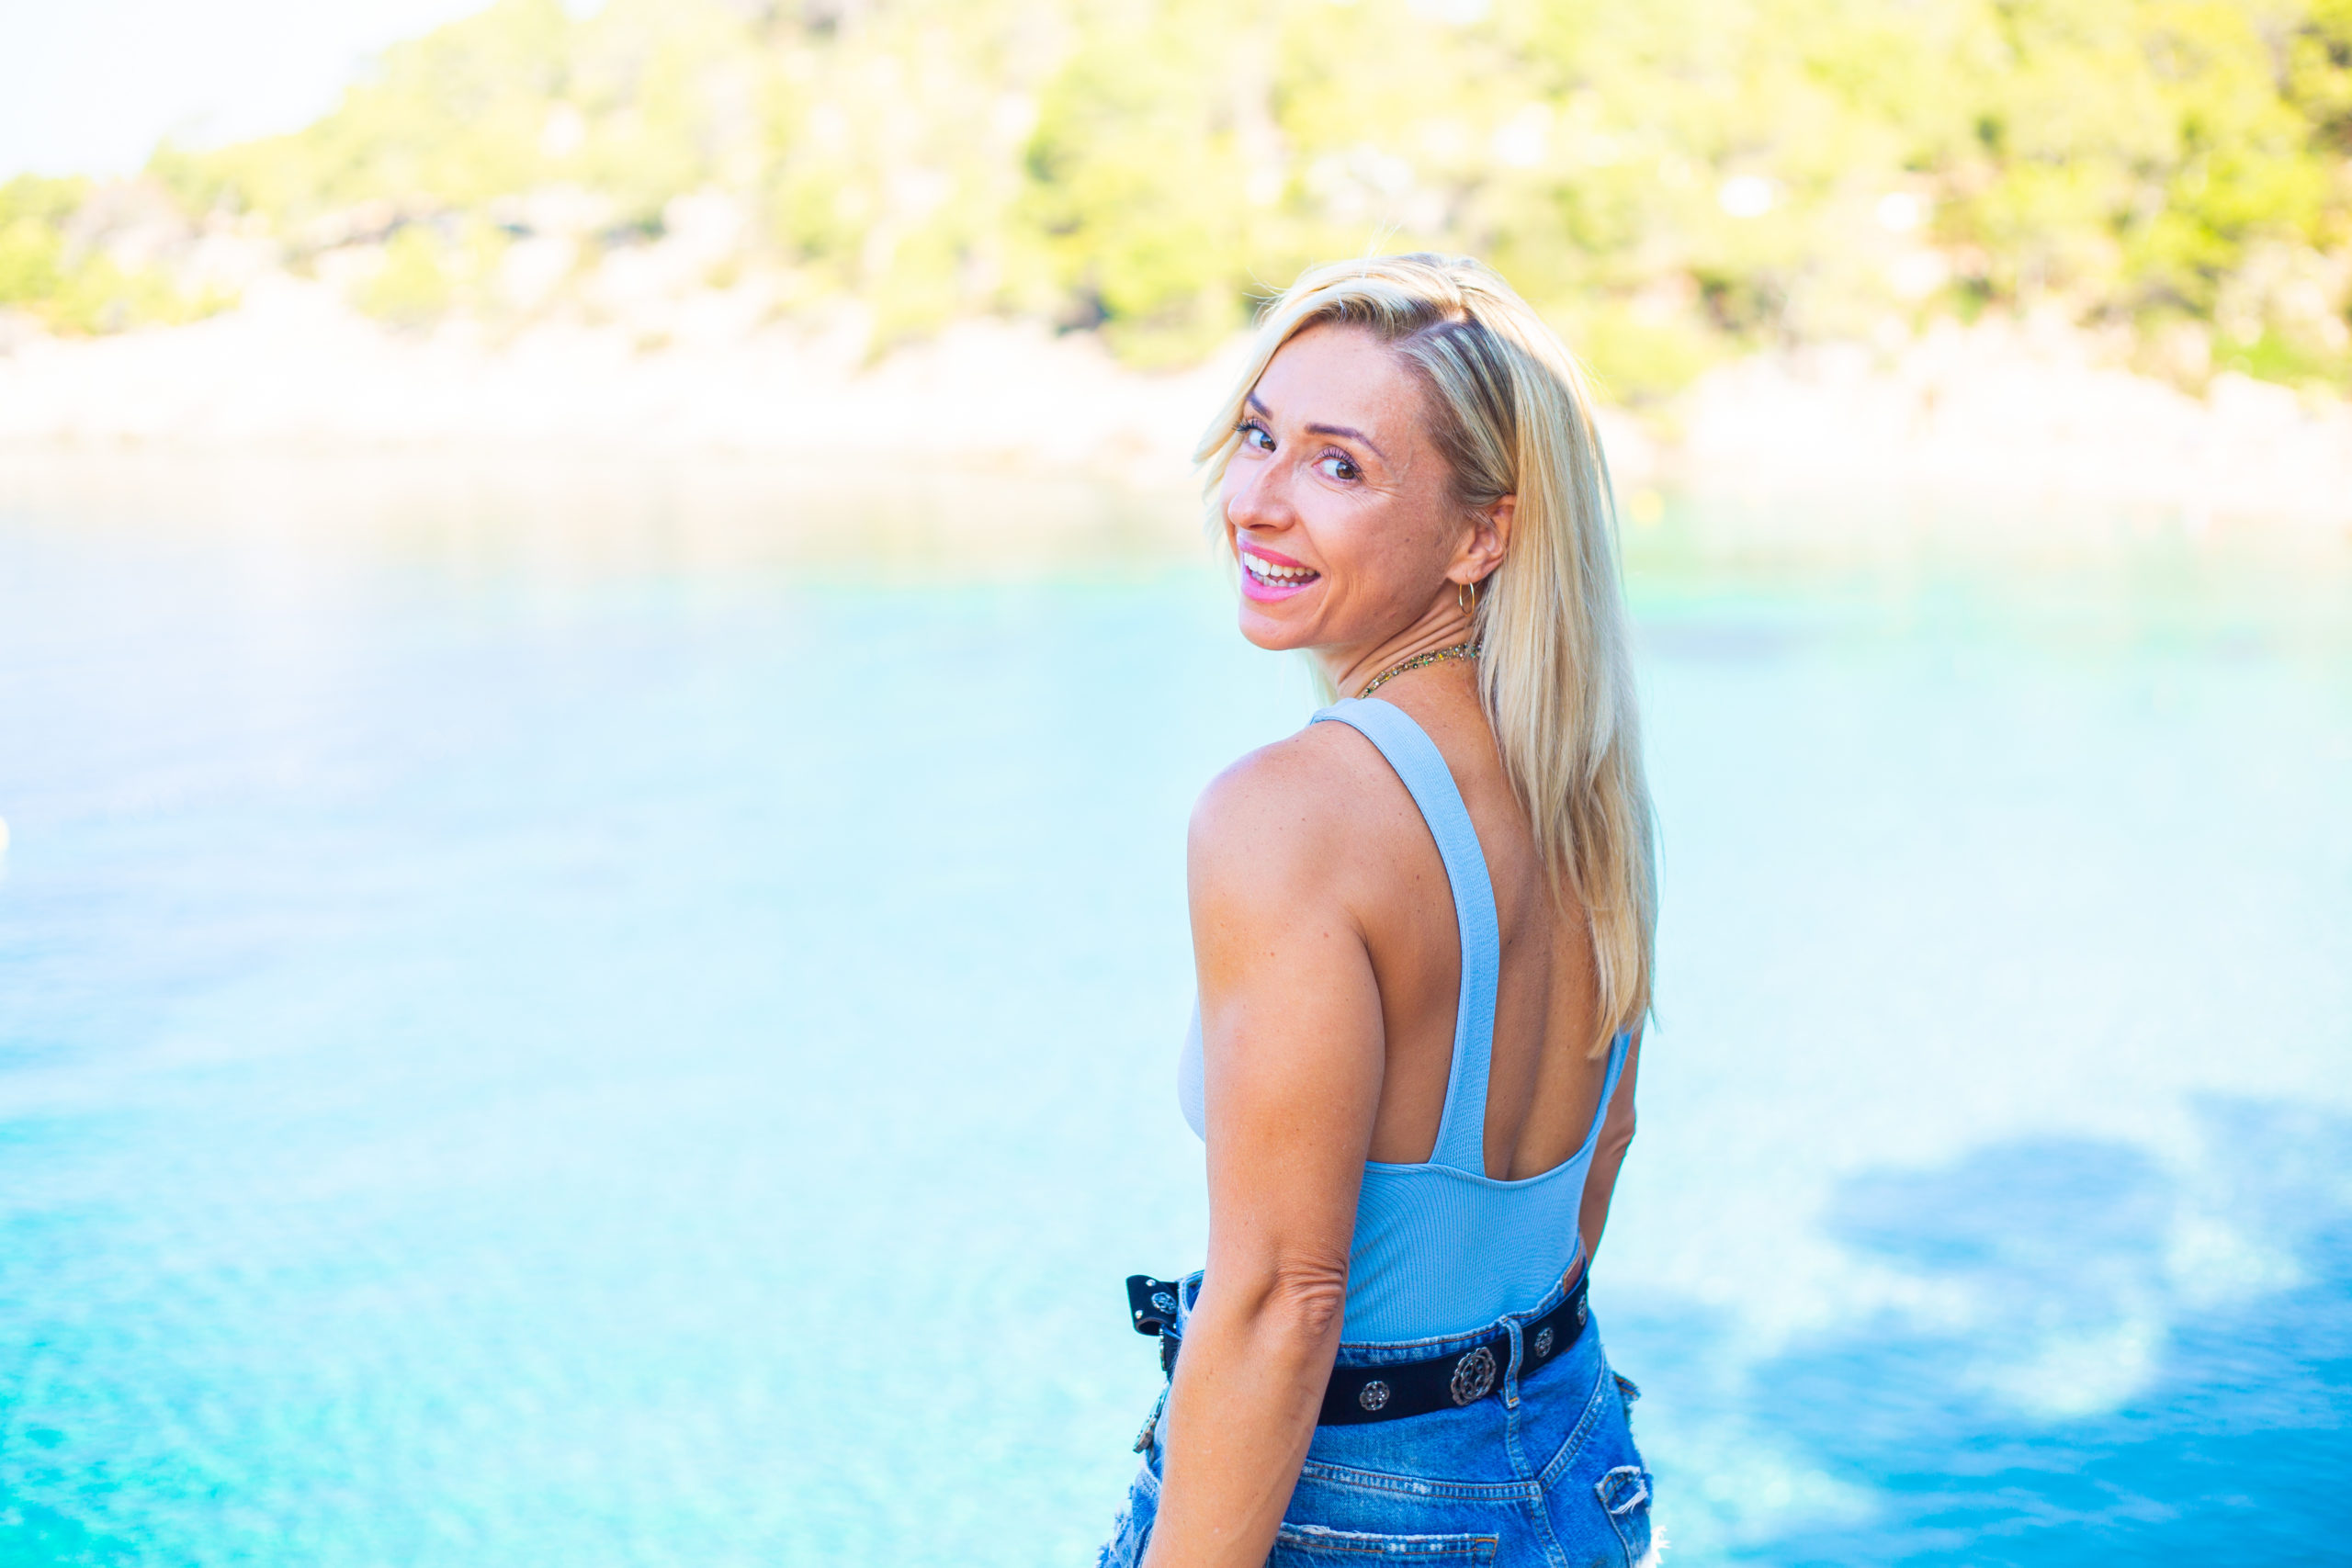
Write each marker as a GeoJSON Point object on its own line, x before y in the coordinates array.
{"type": "Point", "coordinates": [2022, 422]}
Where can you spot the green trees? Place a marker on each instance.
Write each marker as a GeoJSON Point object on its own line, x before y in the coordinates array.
{"type": "Point", "coordinates": [32, 213]}
{"type": "Point", "coordinates": [1672, 180]}
{"type": "Point", "coordinates": [1678, 177]}
{"type": "Point", "coordinates": [66, 283]}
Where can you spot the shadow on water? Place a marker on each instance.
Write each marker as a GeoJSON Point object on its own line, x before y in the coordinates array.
{"type": "Point", "coordinates": [2134, 1362]}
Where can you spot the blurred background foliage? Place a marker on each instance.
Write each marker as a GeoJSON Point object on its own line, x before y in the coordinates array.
{"type": "Point", "coordinates": [1674, 181]}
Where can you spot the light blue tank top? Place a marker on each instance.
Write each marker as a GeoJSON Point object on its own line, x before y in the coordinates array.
{"type": "Point", "coordinates": [1443, 1249]}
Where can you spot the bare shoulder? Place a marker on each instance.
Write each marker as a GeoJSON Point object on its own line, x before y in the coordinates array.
{"type": "Point", "coordinates": [1284, 817]}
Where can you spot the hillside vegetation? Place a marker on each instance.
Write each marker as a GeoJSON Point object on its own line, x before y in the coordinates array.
{"type": "Point", "coordinates": [1673, 180]}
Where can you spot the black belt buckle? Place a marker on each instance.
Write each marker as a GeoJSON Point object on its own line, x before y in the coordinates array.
{"type": "Point", "coordinates": [1151, 1303]}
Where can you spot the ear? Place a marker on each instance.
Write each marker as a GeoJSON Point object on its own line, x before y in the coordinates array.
{"type": "Point", "coordinates": [1489, 540]}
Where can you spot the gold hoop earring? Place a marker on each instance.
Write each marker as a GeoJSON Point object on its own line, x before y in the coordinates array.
{"type": "Point", "coordinates": [1471, 591]}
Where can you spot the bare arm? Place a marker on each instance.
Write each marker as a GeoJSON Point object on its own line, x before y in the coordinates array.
{"type": "Point", "coordinates": [1616, 1137]}
{"type": "Point", "coordinates": [1292, 1049]}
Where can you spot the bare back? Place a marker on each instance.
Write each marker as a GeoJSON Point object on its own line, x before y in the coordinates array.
{"type": "Point", "coordinates": [1545, 1085]}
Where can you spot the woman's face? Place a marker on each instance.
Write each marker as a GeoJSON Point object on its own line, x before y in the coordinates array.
{"type": "Point", "coordinates": [1338, 505]}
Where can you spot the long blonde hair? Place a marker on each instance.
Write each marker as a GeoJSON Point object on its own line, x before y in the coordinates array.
{"type": "Point", "coordinates": [1511, 413]}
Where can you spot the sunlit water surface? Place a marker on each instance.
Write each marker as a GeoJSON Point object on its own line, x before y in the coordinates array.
{"type": "Point", "coordinates": [653, 1043]}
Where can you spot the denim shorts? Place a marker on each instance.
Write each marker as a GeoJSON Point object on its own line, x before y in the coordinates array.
{"type": "Point", "coordinates": [1542, 1471]}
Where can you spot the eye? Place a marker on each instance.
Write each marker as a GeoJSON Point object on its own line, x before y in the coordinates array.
{"type": "Point", "coordinates": [1255, 436]}
{"type": "Point", "coordinates": [1341, 466]}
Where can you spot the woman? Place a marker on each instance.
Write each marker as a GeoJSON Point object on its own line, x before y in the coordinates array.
{"type": "Point", "coordinates": [1423, 939]}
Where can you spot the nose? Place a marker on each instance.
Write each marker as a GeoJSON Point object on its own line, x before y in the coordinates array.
{"type": "Point", "coordinates": [1255, 497]}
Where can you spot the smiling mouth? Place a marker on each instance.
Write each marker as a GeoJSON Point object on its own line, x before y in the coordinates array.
{"type": "Point", "coordinates": [1266, 574]}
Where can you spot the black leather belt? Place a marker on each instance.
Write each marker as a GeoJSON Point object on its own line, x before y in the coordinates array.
{"type": "Point", "coordinates": [1357, 1395]}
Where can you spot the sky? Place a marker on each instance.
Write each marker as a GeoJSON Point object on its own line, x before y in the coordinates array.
{"type": "Point", "coordinates": [89, 87]}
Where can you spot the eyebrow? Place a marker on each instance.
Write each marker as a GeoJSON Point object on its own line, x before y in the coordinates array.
{"type": "Point", "coordinates": [1326, 429]}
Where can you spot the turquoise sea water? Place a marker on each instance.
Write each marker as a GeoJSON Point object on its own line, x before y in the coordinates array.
{"type": "Point", "coordinates": [654, 1044]}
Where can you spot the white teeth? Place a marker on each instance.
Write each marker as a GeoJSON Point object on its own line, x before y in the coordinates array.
{"type": "Point", "coordinates": [1267, 572]}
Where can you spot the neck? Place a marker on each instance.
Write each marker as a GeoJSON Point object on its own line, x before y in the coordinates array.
{"type": "Point", "coordinates": [1350, 666]}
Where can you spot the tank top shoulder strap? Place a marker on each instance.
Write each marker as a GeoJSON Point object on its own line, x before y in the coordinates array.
{"type": "Point", "coordinates": [1461, 1130]}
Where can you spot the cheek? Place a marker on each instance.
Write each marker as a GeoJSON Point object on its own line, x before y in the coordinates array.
{"type": "Point", "coordinates": [1399, 573]}
{"type": "Point", "coordinates": [1373, 561]}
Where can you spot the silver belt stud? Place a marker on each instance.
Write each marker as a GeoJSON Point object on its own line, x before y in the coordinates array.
{"type": "Point", "coordinates": [1473, 1375]}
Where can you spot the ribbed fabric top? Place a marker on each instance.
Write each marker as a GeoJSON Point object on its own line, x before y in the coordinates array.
{"type": "Point", "coordinates": [1441, 1247]}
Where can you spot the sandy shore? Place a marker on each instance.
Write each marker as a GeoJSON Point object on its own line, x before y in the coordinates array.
{"type": "Point", "coordinates": [2011, 418]}
{"type": "Point", "coordinates": [2000, 418]}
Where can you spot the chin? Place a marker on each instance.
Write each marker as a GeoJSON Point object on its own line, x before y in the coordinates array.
{"type": "Point", "coordinates": [1270, 632]}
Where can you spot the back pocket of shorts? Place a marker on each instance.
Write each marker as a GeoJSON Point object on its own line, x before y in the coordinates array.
{"type": "Point", "coordinates": [1313, 1546]}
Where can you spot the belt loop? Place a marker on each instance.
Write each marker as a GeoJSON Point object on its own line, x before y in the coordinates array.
{"type": "Point", "coordinates": [1511, 1372]}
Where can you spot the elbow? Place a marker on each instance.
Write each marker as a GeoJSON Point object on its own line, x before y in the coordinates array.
{"type": "Point", "coordinates": [1305, 1300]}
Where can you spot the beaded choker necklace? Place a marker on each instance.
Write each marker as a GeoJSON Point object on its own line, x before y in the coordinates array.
{"type": "Point", "coordinates": [1420, 660]}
